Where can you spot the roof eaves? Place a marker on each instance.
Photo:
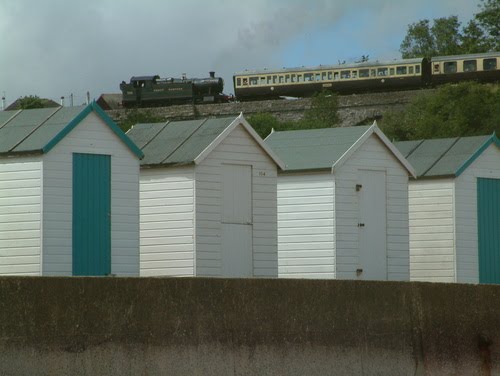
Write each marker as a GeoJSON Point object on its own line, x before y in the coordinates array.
{"type": "Point", "coordinates": [394, 150]}
{"type": "Point", "coordinates": [23, 153]}
{"type": "Point", "coordinates": [493, 139]}
{"type": "Point", "coordinates": [339, 162]}
{"type": "Point", "coordinates": [261, 142]}
{"type": "Point", "coordinates": [107, 120]}
{"type": "Point", "coordinates": [166, 165]}
{"type": "Point", "coordinates": [237, 121]}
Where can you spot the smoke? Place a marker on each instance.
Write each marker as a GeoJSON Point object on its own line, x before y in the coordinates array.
{"type": "Point", "coordinates": [52, 48]}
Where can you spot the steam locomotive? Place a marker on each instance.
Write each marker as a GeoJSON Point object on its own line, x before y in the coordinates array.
{"type": "Point", "coordinates": [150, 91]}
{"type": "Point", "coordinates": [366, 77]}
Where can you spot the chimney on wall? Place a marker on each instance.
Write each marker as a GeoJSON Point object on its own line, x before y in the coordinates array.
{"type": "Point", "coordinates": [62, 101]}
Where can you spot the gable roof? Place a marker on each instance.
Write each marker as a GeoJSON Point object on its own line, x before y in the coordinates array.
{"type": "Point", "coordinates": [189, 141]}
{"type": "Point", "coordinates": [37, 131]}
{"type": "Point", "coordinates": [327, 148]}
{"type": "Point", "coordinates": [445, 156]}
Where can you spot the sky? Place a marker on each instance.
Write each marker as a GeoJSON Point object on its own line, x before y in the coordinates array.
{"type": "Point", "coordinates": [54, 48]}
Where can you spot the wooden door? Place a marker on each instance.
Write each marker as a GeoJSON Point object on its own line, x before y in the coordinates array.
{"type": "Point", "coordinates": [91, 214]}
{"type": "Point", "coordinates": [237, 228]}
{"type": "Point", "coordinates": [372, 226]}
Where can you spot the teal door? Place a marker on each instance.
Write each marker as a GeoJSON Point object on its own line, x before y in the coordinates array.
{"type": "Point", "coordinates": [91, 214]}
{"type": "Point", "coordinates": [488, 222]}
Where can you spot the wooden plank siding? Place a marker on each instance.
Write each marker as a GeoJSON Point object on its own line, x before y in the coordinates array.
{"type": "Point", "coordinates": [20, 216]}
{"type": "Point", "coordinates": [90, 136]}
{"type": "Point", "coordinates": [432, 230]}
{"type": "Point", "coordinates": [167, 221]}
{"type": "Point", "coordinates": [487, 165]}
{"type": "Point", "coordinates": [237, 148]}
{"type": "Point", "coordinates": [372, 155]}
{"type": "Point", "coordinates": [306, 226]}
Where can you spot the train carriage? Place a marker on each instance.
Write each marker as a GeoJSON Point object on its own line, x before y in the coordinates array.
{"type": "Point", "coordinates": [345, 78]}
{"type": "Point", "coordinates": [483, 67]}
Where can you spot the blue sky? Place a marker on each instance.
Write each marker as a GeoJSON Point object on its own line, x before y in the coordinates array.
{"type": "Point", "coordinates": [52, 48]}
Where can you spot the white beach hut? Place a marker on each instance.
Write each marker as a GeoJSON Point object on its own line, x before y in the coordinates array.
{"type": "Point", "coordinates": [208, 199]}
{"type": "Point", "coordinates": [342, 204]}
{"type": "Point", "coordinates": [455, 209]}
{"type": "Point", "coordinates": [69, 193]}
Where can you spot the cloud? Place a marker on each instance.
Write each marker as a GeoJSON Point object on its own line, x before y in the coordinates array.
{"type": "Point", "coordinates": [52, 48]}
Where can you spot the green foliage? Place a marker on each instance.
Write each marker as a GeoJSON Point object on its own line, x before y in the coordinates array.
{"type": "Point", "coordinates": [446, 36]}
{"type": "Point", "coordinates": [30, 101]}
{"type": "Point", "coordinates": [135, 116]}
{"type": "Point", "coordinates": [489, 20]}
{"type": "Point", "coordinates": [322, 114]}
{"type": "Point", "coordinates": [454, 110]}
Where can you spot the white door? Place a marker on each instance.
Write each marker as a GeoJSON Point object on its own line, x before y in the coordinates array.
{"type": "Point", "coordinates": [372, 226]}
{"type": "Point", "coordinates": [237, 229]}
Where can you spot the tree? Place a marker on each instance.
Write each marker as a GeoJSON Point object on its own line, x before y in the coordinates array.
{"type": "Point", "coordinates": [30, 101]}
{"type": "Point", "coordinates": [446, 36]}
{"type": "Point", "coordinates": [323, 112]}
{"type": "Point", "coordinates": [473, 39]}
{"type": "Point", "coordinates": [454, 110]}
{"type": "Point", "coordinates": [489, 19]}
{"type": "Point", "coordinates": [418, 41]}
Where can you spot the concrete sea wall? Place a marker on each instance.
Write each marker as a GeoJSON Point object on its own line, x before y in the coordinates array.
{"type": "Point", "coordinates": [197, 326]}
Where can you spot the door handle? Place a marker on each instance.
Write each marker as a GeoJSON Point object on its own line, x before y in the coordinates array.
{"type": "Point", "coordinates": [361, 225]}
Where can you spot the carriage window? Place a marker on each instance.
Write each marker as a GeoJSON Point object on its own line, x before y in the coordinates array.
{"type": "Point", "coordinates": [299, 78]}
{"type": "Point", "coordinates": [417, 69]}
{"type": "Point", "coordinates": [245, 81]}
{"type": "Point", "coordinates": [318, 76]}
{"type": "Point", "coordinates": [364, 73]}
{"type": "Point", "coordinates": [490, 64]}
{"type": "Point", "coordinates": [262, 80]}
{"type": "Point", "coordinates": [294, 78]}
{"type": "Point", "coordinates": [275, 79]}
{"type": "Point", "coordinates": [336, 76]}
{"type": "Point", "coordinates": [254, 80]}
{"type": "Point", "coordinates": [282, 79]}
{"type": "Point", "coordinates": [470, 66]}
{"type": "Point", "coordinates": [450, 67]}
{"type": "Point", "coordinates": [382, 71]}
{"type": "Point", "coordinates": [323, 76]}
{"type": "Point", "coordinates": [308, 77]}
{"type": "Point", "coordinates": [345, 74]}
{"type": "Point", "coordinates": [354, 74]}
{"type": "Point", "coordinates": [373, 73]}
{"type": "Point", "coordinates": [269, 80]}
{"type": "Point", "coordinates": [391, 71]}
{"type": "Point", "coordinates": [329, 75]}
{"type": "Point", "coordinates": [238, 82]}
{"type": "Point", "coordinates": [410, 70]}
{"type": "Point", "coordinates": [287, 78]}
{"type": "Point", "coordinates": [401, 70]}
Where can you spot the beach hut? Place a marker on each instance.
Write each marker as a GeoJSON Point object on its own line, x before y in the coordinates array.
{"type": "Point", "coordinates": [69, 194]}
{"type": "Point", "coordinates": [342, 204]}
{"type": "Point", "coordinates": [208, 199]}
{"type": "Point", "coordinates": [455, 209]}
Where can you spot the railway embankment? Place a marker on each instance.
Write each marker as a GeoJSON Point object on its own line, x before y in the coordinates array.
{"type": "Point", "coordinates": [354, 109]}
{"type": "Point", "coordinates": [199, 326]}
